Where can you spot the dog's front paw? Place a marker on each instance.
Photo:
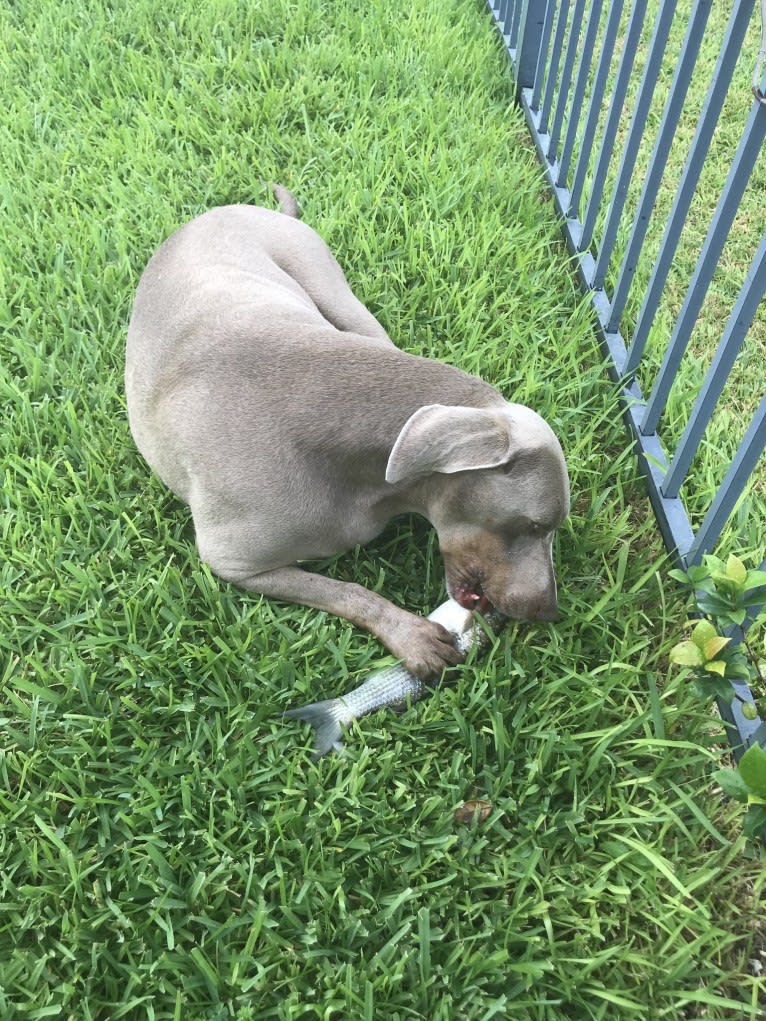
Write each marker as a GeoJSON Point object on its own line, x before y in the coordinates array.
{"type": "Point", "coordinates": [425, 647]}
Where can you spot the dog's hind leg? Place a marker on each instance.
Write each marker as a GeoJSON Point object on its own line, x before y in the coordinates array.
{"type": "Point", "coordinates": [303, 255]}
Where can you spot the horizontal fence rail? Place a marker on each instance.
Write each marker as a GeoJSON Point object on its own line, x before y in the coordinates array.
{"type": "Point", "coordinates": [590, 77]}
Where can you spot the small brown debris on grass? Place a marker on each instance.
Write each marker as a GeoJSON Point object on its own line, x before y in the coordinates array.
{"type": "Point", "coordinates": [473, 811]}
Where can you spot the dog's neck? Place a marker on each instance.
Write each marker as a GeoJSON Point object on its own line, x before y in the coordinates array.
{"type": "Point", "coordinates": [395, 385]}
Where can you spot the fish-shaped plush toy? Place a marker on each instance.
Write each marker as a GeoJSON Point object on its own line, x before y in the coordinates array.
{"type": "Point", "coordinates": [392, 686]}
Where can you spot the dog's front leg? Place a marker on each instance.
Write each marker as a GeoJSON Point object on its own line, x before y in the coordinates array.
{"type": "Point", "coordinates": [425, 647]}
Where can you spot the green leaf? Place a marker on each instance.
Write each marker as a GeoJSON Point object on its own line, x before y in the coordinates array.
{"type": "Point", "coordinates": [713, 604]}
{"type": "Point", "coordinates": [698, 573]}
{"type": "Point", "coordinates": [732, 784]}
{"type": "Point", "coordinates": [726, 587]}
{"type": "Point", "coordinates": [736, 570]}
{"type": "Point", "coordinates": [714, 687]}
{"type": "Point", "coordinates": [755, 579]}
{"type": "Point", "coordinates": [714, 564]}
{"type": "Point", "coordinates": [738, 670]}
{"type": "Point", "coordinates": [755, 821]}
{"type": "Point", "coordinates": [752, 769]}
{"type": "Point", "coordinates": [714, 645]}
{"type": "Point", "coordinates": [687, 654]}
{"type": "Point", "coordinates": [678, 575]}
{"type": "Point", "coordinates": [716, 666]}
{"type": "Point", "coordinates": [703, 632]}
{"type": "Point", "coordinates": [750, 710]}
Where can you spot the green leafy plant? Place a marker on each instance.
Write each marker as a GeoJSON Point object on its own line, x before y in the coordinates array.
{"type": "Point", "coordinates": [747, 784]}
{"type": "Point", "coordinates": [726, 594]}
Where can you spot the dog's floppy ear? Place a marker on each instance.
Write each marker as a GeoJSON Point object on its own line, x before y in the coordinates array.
{"type": "Point", "coordinates": [439, 438]}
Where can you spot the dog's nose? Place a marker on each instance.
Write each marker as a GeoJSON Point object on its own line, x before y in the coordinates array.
{"type": "Point", "coordinates": [547, 613]}
{"type": "Point", "coordinates": [545, 609]}
{"type": "Point", "coordinates": [542, 611]}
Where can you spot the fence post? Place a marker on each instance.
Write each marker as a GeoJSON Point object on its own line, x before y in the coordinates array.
{"type": "Point", "coordinates": [530, 36]}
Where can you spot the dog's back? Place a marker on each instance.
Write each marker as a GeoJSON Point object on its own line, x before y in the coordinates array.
{"type": "Point", "coordinates": [217, 301]}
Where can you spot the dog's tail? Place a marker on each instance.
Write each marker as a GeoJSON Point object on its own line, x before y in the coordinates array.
{"type": "Point", "coordinates": [288, 204]}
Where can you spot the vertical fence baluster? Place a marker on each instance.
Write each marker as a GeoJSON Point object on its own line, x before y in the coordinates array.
{"type": "Point", "coordinates": [730, 490]}
{"type": "Point", "coordinates": [591, 30]}
{"type": "Point", "coordinates": [633, 141]}
{"type": "Point", "coordinates": [543, 54]}
{"type": "Point", "coordinates": [553, 65]}
{"type": "Point", "coordinates": [619, 92]}
{"type": "Point", "coordinates": [733, 337]}
{"type": "Point", "coordinates": [673, 107]}
{"type": "Point", "coordinates": [515, 19]}
{"type": "Point", "coordinates": [594, 107]}
{"type": "Point", "coordinates": [500, 9]}
{"type": "Point", "coordinates": [566, 78]}
{"type": "Point", "coordinates": [530, 37]}
{"type": "Point", "coordinates": [724, 69]}
{"type": "Point", "coordinates": [728, 204]}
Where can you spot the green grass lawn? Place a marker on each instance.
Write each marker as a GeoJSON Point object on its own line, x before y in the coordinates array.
{"type": "Point", "coordinates": [167, 848]}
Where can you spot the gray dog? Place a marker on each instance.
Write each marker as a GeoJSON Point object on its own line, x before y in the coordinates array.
{"type": "Point", "coordinates": [270, 400]}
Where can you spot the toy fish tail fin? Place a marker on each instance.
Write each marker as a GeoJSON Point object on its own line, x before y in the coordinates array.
{"type": "Point", "coordinates": [324, 717]}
